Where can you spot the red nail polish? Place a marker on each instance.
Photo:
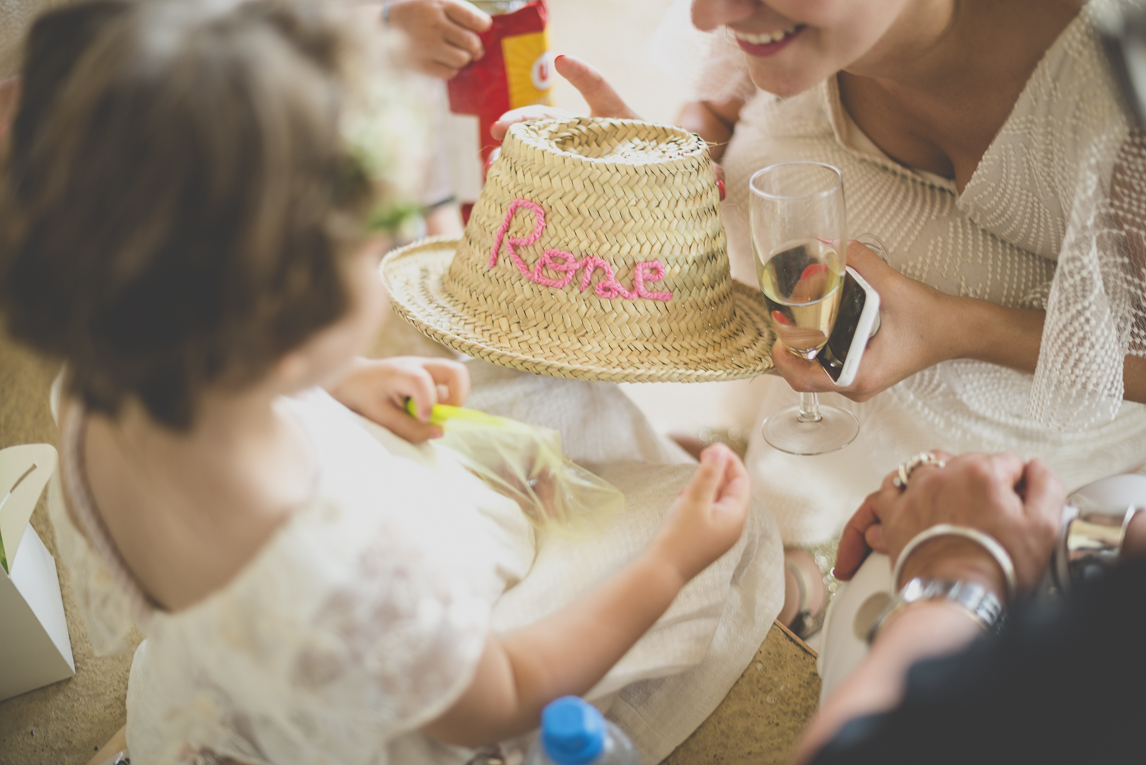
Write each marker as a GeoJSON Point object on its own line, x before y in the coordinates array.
{"type": "Point", "coordinates": [720, 187]}
{"type": "Point", "coordinates": [815, 269]}
{"type": "Point", "coordinates": [558, 57]}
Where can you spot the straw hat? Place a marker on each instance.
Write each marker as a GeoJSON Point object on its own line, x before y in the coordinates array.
{"type": "Point", "coordinates": [594, 252]}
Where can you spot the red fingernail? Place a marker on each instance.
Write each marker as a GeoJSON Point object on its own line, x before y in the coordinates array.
{"type": "Point", "coordinates": [558, 57]}
{"type": "Point", "coordinates": [720, 186]}
{"type": "Point", "coordinates": [780, 318]}
{"type": "Point", "coordinates": [813, 270]}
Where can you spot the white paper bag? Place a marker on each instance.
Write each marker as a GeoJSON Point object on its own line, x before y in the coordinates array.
{"type": "Point", "coordinates": [34, 646]}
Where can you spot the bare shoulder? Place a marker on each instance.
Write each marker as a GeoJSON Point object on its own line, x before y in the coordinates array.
{"type": "Point", "coordinates": [1048, 16]}
{"type": "Point", "coordinates": [1042, 20]}
{"type": "Point", "coordinates": [186, 512]}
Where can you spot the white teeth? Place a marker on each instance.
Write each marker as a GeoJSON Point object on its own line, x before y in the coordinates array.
{"type": "Point", "coordinates": [764, 39]}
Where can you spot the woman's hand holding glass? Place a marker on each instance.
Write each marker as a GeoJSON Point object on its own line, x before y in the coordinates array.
{"type": "Point", "coordinates": [919, 327]}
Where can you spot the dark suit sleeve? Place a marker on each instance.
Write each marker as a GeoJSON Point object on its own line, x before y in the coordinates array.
{"type": "Point", "coordinates": [1064, 682]}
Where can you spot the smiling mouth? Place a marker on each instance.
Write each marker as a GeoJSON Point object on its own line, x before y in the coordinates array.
{"type": "Point", "coordinates": [768, 38]}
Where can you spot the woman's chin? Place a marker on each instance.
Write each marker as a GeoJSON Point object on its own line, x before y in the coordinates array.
{"type": "Point", "coordinates": [783, 84]}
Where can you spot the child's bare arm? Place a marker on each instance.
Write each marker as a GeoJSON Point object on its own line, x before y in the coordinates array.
{"type": "Point", "coordinates": [570, 651]}
{"type": "Point", "coordinates": [714, 121]}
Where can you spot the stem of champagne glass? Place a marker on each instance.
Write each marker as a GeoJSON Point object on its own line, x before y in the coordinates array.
{"type": "Point", "coordinates": [809, 408]}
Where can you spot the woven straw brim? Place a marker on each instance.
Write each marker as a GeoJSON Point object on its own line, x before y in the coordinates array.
{"type": "Point", "coordinates": [735, 348]}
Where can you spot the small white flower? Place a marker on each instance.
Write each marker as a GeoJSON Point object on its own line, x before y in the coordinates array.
{"type": "Point", "coordinates": [385, 131]}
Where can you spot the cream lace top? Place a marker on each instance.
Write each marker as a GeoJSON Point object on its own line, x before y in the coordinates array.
{"type": "Point", "coordinates": [365, 614]}
{"type": "Point", "coordinates": [361, 619]}
{"type": "Point", "coordinates": [1016, 236]}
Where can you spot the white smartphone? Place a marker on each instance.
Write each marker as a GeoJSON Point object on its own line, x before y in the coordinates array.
{"type": "Point", "coordinates": [857, 322]}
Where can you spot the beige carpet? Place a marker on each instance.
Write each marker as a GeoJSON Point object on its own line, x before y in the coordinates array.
{"type": "Point", "coordinates": [65, 722]}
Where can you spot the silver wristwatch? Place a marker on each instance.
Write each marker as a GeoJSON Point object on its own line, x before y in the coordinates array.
{"type": "Point", "coordinates": [980, 603]}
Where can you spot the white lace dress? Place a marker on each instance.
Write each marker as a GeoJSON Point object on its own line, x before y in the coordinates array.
{"type": "Point", "coordinates": [365, 614]}
{"type": "Point", "coordinates": [999, 240]}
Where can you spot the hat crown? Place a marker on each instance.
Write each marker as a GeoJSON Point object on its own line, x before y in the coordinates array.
{"type": "Point", "coordinates": [580, 217]}
{"type": "Point", "coordinates": [596, 251]}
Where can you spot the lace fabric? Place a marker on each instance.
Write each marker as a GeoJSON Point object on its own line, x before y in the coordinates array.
{"type": "Point", "coordinates": [357, 622]}
{"type": "Point", "coordinates": [1096, 310]}
{"type": "Point", "coordinates": [366, 613]}
{"type": "Point", "coordinates": [1040, 225]}
{"type": "Point", "coordinates": [1063, 180]}
{"type": "Point", "coordinates": [108, 613]}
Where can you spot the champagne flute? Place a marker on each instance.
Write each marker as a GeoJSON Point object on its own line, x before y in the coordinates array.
{"type": "Point", "coordinates": [799, 244]}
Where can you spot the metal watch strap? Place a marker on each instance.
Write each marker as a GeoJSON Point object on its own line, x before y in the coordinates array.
{"type": "Point", "coordinates": [981, 604]}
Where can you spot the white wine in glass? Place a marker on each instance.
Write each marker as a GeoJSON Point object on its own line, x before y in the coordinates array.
{"type": "Point", "coordinates": [799, 239]}
{"type": "Point", "coordinates": [802, 282]}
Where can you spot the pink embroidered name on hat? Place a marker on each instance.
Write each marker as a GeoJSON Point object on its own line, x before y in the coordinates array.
{"type": "Point", "coordinates": [567, 264]}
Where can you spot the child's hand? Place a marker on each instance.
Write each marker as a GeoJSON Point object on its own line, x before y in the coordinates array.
{"type": "Point", "coordinates": [442, 34]}
{"type": "Point", "coordinates": [378, 389]}
{"type": "Point", "coordinates": [708, 517]}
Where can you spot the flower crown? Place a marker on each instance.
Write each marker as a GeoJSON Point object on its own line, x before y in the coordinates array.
{"type": "Point", "coordinates": [383, 133]}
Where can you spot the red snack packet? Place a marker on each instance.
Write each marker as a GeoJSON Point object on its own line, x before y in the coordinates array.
{"type": "Point", "coordinates": [516, 71]}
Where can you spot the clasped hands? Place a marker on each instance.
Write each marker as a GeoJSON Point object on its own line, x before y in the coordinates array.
{"type": "Point", "coordinates": [1018, 503]}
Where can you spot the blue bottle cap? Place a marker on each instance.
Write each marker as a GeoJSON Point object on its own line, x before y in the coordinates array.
{"type": "Point", "coordinates": [572, 731]}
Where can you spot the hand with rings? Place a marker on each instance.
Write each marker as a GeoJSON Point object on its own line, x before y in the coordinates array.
{"type": "Point", "coordinates": [902, 476]}
{"type": "Point", "coordinates": [1016, 503]}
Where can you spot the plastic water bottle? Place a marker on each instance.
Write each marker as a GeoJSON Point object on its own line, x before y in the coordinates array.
{"type": "Point", "coordinates": [573, 732]}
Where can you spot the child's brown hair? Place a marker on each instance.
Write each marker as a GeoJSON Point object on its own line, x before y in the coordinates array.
{"type": "Point", "coordinates": [178, 195]}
